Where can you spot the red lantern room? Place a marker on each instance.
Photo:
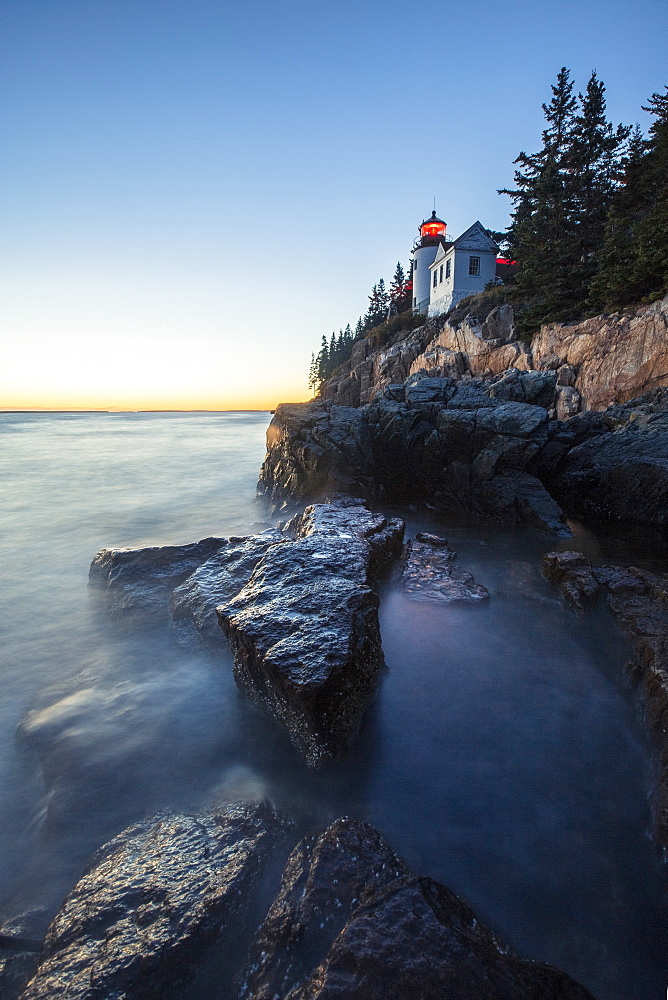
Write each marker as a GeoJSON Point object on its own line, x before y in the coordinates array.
{"type": "Point", "coordinates": [433, 227]}
{"type": "Point", "coordinates": [432, 232]}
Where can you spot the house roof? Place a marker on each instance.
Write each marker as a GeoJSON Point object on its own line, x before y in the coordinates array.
{"type": "Point", "coordinates": [476, 238]}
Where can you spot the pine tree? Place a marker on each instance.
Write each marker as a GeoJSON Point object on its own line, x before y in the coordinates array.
{"type": "Point", "coordinates": [542, 237]}
{"type": "Point", "coordinates": [379, 301]}
{"type": "Point", "coordinates": [312, 374]}
{"type": "Point", "coordinates": [322, 360]}
{"type": "Point", "coordinates": [634, 260]}
{"type": "Point", "coordinates": [597, 164]}
{"type": "Point", "coordinates": [401, 290]}
{"type": "Point", "coordinates": [332, 356]}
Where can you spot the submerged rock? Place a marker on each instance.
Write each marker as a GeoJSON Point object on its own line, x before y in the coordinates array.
{"type": "Point", "coordinates": [429, 573]}
{"type": "Point", "coordinates": [351, 922]}
{"type": "Point", "coordinates": [304, 629]}
{"type": "Point", "coordinates": [138, 578]}
{"type": "Point", "coordinates": [155, 898]}
{"type": "Point", "coordinates": [638, 600]}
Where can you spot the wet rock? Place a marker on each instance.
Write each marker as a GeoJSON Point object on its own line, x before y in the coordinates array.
{"type": "Point", "coordinates": [20, 945]}
{"type": "Point", "coordinates": [429, 573]}
{"type": "Point", "coordinates": [315, 450]}
{"type": "Point", "coordinates": [304, 630]}
{"type": "Point", "coordinates": [155, 898]}
{"type": "Point", "coordinates": [449, 443]}
{"type": "Point", "coordinates": [350, 921]}
{"type": "Point", "coordinates": [571, 572]}
{"type": "Point", "coordinates": [324, 880]}
{"type": "Point", "coordinates": [416, 940]}
{"type": "Point", "coordinates": [137, 578]}
{"type": "Point", "coordinates": [193, 603]}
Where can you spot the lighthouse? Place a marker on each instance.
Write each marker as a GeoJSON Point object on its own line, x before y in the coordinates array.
{"type": "Point", "coordinates": [432, 236]}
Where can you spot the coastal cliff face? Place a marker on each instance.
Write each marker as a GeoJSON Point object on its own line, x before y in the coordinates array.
{"type": "Point", "coordinates": [473, 421]}
{"type": "Point", "coordinates": [599, 361]}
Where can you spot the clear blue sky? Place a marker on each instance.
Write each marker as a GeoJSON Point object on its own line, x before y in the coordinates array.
{"type": "Point", "coordinates": [193, 191]}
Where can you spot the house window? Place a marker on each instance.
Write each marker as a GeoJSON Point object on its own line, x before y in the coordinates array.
{"type": "Point", "coordinates": [447, 268]}
{"type": "Point", "coordinates": [440, 275]}
{"type": "Point", "coordinates": [474, 265]}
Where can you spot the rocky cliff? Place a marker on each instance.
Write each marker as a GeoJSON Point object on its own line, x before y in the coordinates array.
{"type": "Point", "coordinates": [472, 420]}
{"type": "Point", "coordinates": [599, 361]}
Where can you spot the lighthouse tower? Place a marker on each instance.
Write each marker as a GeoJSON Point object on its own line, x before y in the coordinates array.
{"type": "Point", "coordinates": [432, 235]}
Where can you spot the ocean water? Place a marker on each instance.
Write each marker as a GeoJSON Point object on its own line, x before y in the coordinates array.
{"type": "Point", "coordinates": [505, 754]}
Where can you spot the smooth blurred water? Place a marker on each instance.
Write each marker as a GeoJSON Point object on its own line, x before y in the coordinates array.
{"type": "Point", "coordinates": [505, 754]}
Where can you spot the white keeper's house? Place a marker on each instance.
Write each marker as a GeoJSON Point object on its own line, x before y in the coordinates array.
{"type": "Point", "coordinates": [446, 270]}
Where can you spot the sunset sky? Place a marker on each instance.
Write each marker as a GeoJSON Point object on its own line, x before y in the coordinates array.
{"type": "Point", "coordinates": [193, 191]}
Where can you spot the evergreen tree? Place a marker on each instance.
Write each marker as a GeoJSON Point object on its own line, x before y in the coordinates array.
{"type": "Point", "coordinates": [562, 199]}
{"type": "Point", "coordinates": [542, 237]}
{"type": "Point", "coordinates": [379, 301]}
{"type": "Point", "coordinates": [312, 374]}
{"type": "Point", "coordinates": [322, 361]}
{"type": "Point", "coordinates": [597, 164]}
{"type": "Point", "coordinates": [401, 290]}
{"type": "Point", "coordinates": [332, 357]}
{"type": "Point", "coordinates": [634, 259]}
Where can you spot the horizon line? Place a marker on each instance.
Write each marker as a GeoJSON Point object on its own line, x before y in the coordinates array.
{"type": "Point", "coordinates": [103, 409]}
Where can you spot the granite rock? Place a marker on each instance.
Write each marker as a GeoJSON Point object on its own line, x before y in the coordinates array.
{"type": "Point", "coordinates": [155, 898]}
{"type": "Point", "coordinates": [430, 574]}
{"type": "Point", "coordinates": [304, 629]}
{"type": "Point", "coordinates": [143, 577]}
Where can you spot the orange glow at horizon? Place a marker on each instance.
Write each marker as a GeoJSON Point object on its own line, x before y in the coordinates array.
{"type": "Point", "coordinates": [119, 402]}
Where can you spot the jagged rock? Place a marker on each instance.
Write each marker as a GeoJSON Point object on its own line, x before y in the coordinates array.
{"type": "Point", "coordinates": [429, 573]}
{"type": "Point", "coordinates": [351, 923]}
{"type": "Point", "coordinates": [428, 390]}
{"type": "Point", "coordinates": [499, 324]}
{"type": "Point", "coordinates": [566, 375]}
{"type": "Point", "coordinates": [304, 630]}
{"type": "Point", "coordinates": [193, 603]}
{"type": "Point", "coordinates": [568, 402]}
{"type": "Point", "coordinates": [614, 465]}
{"type": "Point", "coordinates": [315, 450]}
{"type": "Point", "coordinates": [137, 578]}
{"type": "Point", "coordinates": [395, 392]}
{"type": "Point", "coordinates": [155, 898]}
{"type": "Point", "coordinates": [525, 387]}
{"type": "Point", "coordinates": [571, 572]}
{"type": "Point", "coordinates": [450, 442]}
{"type": "Point", "coordinates": [324, 880]}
